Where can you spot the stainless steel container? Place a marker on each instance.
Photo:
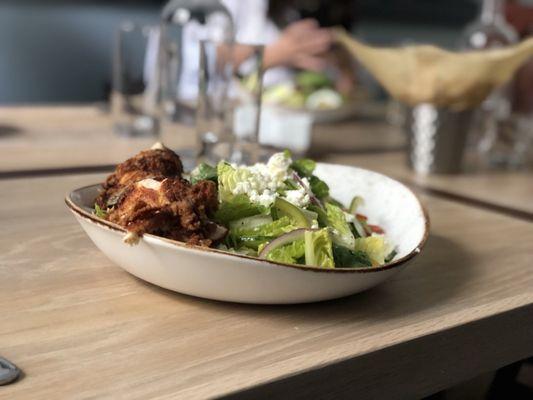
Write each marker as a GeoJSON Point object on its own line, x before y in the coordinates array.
{"type": "Point", "coordinates": [437, 139]}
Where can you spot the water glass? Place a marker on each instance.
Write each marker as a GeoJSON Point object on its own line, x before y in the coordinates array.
{"type": "Point", "coordinates": [229, 102]}
{"type": "Point", "coordinates": [245, 99]}
{"type": "Point", "coordinates": [509, 143]}
{"type": "Point", "coordinates": [135, 81]}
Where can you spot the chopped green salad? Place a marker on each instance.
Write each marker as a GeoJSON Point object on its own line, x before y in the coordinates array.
{"type": "Point", "coordinates": [281, 211]}
{"type": "Point", "coordinates": [309, 90]}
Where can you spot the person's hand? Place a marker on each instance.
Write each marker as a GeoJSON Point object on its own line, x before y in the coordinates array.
{"type": "Point", "coordinates": [300, 45]}
{"type": "Point", "coordinates": [342, 69]}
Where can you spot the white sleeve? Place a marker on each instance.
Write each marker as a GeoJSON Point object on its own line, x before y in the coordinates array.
{"type": "Point", "coordinates": [252, 25]}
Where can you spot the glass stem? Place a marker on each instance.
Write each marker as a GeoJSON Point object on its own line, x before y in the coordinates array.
{"type": "Point", "coordinates": [492, 11]}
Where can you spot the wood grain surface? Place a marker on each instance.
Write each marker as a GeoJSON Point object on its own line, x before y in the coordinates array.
{"type": "Point", "coordinates": [81, 328]}
{"type": "Point", "coordinates": [512, 190]}
{"type": "Point", "coordinates": [72, 139]}
{"type": "Point", "coordinates": [39, 137]}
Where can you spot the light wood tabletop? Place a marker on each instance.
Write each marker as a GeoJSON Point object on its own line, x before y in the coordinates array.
{"type": "Point", "coordinates": [507, 191]}
{"type": "Point", "coordinates": [45, 139]}
{"type": "Point", "coordinates": [35, 138]}
{"type": "Point", "coordinates": [81, 328]}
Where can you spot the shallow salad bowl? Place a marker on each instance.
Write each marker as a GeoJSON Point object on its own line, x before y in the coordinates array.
{"type": "Point", "coordinates": [218, 275]}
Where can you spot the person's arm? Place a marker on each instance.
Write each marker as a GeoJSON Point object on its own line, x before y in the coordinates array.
{"type": "Point", "coordinates": [300, 45]}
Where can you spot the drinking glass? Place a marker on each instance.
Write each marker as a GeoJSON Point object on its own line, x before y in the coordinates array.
{"type": "Point", "coordinates": [212, 112]}
{"type": "Point", "coordinates": [245, 99]}
{"type": "Point", "coordinates": [135, 81]}
{"type": "Point", "coordinates": [507, 148]}
{"type": "Point", "coordinates": [184, 25]}
{"type": "Point", "coordinates": [229, 102]}
{"type": "Point", "coordinates": [490, 30]}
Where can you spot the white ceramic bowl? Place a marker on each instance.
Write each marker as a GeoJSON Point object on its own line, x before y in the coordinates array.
{"type": "Point", "coordinates": [219, 275]}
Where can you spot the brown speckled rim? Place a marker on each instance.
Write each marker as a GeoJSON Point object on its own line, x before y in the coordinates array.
{"type": "Point", "coordinates": [76, 209]}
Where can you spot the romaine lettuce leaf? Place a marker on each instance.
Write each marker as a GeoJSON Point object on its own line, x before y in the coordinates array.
{"type": "Point", "coordinates": [99, 212]}
{"type": "Point", "coordinates": [228, 177]}
{"type": "Point", "coordinates": [346, 258]}
{"type": "Point", "coordinates": [318, 251]}
{"type": "Point", "coordinates": [342, 234]}
{"type": "Point", "coordinates": [237, 207]}
{"type": "Point", "coordinates": [261, 234]}
{"type": "Point", "coordinates": [376, 247]}
{"type": "Point", "coordinates": [204, 172]}
{"type": "Point", "coordinates": [273, 229]}
{"type": "Point", "coordinates": [289, 253]}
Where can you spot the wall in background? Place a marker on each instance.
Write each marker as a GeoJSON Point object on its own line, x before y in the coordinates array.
{"type": "Point", "coordinates": [60, 52]}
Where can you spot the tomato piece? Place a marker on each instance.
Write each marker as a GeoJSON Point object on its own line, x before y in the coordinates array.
{"type": "Point", "coordinates": [376, 229]}
{"type": "Point", "coordinates": [361, 217]}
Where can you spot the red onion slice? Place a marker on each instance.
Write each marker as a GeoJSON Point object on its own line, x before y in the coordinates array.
{"type": "Point", "coordinates": [283, 240]}
{"type": "Point", "coordinates": [312, 198]}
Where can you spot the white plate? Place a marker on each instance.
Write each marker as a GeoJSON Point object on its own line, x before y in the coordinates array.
{"type": "Point", "coordinates": [218, 275]}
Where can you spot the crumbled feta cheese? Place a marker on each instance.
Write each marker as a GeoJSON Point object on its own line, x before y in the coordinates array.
{"type": "Point", "coordinates": [265, 199]}
{"type": "Point", "coordinates": [262, 181]}
{"type": "Point", "coordinates": [298, 197]}
{"type": "Point", "coordinates": [278, 165]}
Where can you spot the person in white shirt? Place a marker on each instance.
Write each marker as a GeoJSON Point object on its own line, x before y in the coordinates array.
{"type": "Point", "coordinates": [301, 45]}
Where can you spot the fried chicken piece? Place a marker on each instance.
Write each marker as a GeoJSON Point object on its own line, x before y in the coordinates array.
{"type": "Point", "coordinates": [170, 207]}
{"type": "Point", "coordinates": [157, 162]}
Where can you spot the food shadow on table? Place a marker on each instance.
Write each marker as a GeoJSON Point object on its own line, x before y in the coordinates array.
{"type": "Point", "coordinates": [437, 275]}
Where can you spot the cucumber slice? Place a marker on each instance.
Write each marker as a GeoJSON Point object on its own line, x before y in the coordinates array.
{"type": "Point", "coordinates": [322, 217]}
{"type": "Point", "coordinates": [297, 216]}
{"type": "Point", "coordinates": [357, 201]}
{"type": "Point", "coordinates": [311, 216]}
{"type": "Point", "coordinates": [250, 222]}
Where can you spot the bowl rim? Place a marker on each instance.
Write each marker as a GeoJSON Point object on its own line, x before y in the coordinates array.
{"type": "Point", "coordinates": [92, 218]}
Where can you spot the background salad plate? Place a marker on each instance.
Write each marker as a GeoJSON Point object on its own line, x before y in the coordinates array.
{"type": "Point", "coordinates": [214, 274]}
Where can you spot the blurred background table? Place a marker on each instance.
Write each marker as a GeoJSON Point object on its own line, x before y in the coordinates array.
{"type": "Point", "coordinates": [79, 139]}
{"type": "Point", "coordinates": [68, 137]}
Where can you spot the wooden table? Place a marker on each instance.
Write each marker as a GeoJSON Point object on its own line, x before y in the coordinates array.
{"type": "Point", "coordinates": [75, 139]}
{"type": "Point", "coordinates": [81, 327]}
